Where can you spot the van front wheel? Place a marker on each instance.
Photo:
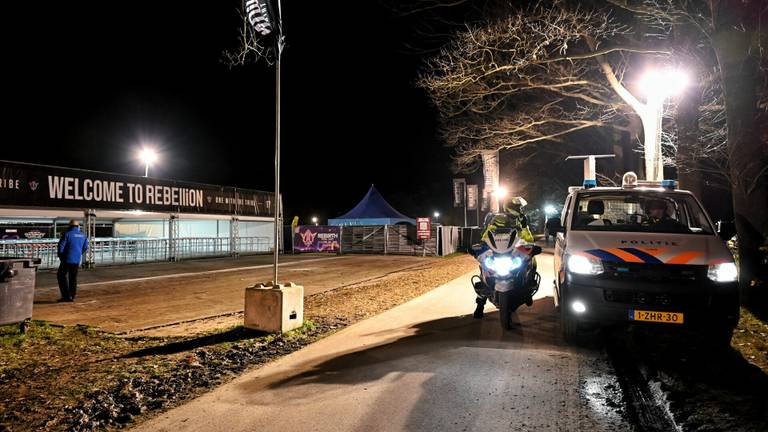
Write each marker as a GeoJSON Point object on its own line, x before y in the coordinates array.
{"type": "Point", "coordinates": [568, 325]}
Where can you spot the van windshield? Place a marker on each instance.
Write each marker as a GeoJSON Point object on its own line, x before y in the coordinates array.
{"type": "Point", "coordinates": [639, 211]}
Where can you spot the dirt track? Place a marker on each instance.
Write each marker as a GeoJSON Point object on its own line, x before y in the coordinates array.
{"type": "Point", "coordinates": [205, 290]}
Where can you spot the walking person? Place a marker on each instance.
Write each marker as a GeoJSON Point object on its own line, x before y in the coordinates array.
{"type": "Point", "coordinates": [72, 245]}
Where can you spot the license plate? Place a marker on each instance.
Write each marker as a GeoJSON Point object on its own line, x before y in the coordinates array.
{"type": "Point", "coordinates": [656, 316]}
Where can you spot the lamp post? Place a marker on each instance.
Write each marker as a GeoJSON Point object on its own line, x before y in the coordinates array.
{"type": "Point", "coordinates": [658, 85]}
{"type": "Point", "coordinates": [436, 216]}
{"type": "Point", "coordinates": [314, 220]}
{"type": "Point", "coordinates": [147, 156]}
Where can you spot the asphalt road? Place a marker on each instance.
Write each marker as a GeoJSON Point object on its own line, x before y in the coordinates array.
{"type": "Point", "coordinates": [426, 365]}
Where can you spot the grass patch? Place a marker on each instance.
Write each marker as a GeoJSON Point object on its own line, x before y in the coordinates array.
{"type": "Point", "coordinates": [51, 372]}
{"type": "Point", "coordinates": [751, 339]}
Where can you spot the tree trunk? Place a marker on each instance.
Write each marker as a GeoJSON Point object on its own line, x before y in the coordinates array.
{"type": "Point", "coordinates": [687, 120]}
{"type": "Point", "coordinates": [689, 176]}
{"type": "Point", "coordinates": [735, 41]}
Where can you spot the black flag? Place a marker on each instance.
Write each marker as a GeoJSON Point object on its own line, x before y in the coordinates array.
{"type": "Point", "coordinates": [264, 19]}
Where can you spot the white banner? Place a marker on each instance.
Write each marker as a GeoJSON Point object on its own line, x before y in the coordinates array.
{"type": "Point", "coordinates": [491, 174]}
{"type": "Point", "coordinates": [471, 197]}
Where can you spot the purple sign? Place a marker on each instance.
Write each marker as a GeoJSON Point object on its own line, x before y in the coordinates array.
{"type": "Point", "coordinates": [310, 238]}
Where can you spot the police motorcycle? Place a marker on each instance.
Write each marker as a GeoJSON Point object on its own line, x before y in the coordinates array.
{"type": "Point", "coordinates": [508, 276]}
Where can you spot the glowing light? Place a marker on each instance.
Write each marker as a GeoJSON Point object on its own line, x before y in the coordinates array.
{"type": "Point", "coordinates": [663, 82]}
{"type": "Point", "coordinates": [578, 307]}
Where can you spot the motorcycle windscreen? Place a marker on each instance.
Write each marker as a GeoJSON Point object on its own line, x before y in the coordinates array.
{"type": "Point", "coordinates": [502, 240]}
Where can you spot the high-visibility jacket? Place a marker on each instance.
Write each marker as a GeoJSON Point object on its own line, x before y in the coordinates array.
{"type": "Point", "coordinates": [518, 221]}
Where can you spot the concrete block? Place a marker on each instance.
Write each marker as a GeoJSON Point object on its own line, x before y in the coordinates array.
{"type": "Point", "coordinates": [274, 309]}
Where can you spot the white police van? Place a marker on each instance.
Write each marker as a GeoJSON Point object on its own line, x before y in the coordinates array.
{"type": "Point", "coordinates": [643, 254]}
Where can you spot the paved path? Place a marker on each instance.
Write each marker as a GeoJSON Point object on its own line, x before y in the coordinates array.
{"type": "Point", "coordinates": [423, 366]}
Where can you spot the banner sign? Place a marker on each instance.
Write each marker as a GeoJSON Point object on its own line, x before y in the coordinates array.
{"type": "Point", "coordinates": [311, 238]}
{"type": "Point", "coordinates": [29, 232]}
{"type": "Point", "coordinates": [423, 228]}
{"type": "Point", "coordinates": [491, 174]}
{"type": "Point", "coordinates": [484, 204]}
{"type": "Point", "coordinates": [471, 197]}
{"type": "Point", "coordinates": [458, 192]}
{"type": "Point", "coordinates": [28, 185]}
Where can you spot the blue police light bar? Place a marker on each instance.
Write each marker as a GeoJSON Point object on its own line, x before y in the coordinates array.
{"type": "Point", "coordinates": [669, 184]}
{"type": "Point", "coordinates": [590, 183]}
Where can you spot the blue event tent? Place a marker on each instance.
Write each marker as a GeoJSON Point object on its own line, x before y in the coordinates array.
{"type": "Point", "coordinates": [372, 210]}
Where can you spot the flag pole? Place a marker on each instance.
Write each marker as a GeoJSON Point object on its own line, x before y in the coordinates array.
{"type": "Point", "coordinates": [278, 201]}
{"type": "Point", "coordinates": [277, 161]}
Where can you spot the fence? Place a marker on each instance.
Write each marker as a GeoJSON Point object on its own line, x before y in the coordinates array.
{"type": "Point", "coordinates": [380, 239]}
{"type": "Point", "coordinates": [130, 251]}
{"type": "Point", "coordinates": [387, 239]}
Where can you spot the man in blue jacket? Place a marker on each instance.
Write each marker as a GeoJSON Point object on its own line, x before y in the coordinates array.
{"type": "Point", "coordinates": [72, 245]}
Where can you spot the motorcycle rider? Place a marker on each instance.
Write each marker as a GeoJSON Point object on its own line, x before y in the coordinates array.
{"type": "Point", "coordinates": [511, 216]}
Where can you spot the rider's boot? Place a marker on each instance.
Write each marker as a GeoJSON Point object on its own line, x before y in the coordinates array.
{"type": "Point", "coordinates": [529, 302]}
{"type": "Point", "coordinates": [480, 306]}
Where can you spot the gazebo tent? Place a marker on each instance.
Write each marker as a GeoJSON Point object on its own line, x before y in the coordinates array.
{"type": "Point", "coordinates": [372, 210]}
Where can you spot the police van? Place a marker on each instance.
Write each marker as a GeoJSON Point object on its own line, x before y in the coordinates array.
{"type": "Point", "coordinates": [643, 254]}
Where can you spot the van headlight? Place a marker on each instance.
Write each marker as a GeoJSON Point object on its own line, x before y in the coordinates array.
{"type": "Point", "coordinates": [502, 266]}
{"type": "Point", "coordinates": [582, 265]}
{"type": "Point", "coordinates": [725, 272]}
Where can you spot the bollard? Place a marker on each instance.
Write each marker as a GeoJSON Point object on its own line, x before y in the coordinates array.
{"type": "Point", "coordinates": [274, 309]}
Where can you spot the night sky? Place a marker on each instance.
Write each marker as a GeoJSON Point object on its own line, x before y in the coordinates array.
{"type": "Point", "coordinates": [88, 82]}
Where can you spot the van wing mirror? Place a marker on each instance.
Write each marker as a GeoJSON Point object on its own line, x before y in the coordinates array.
{"type": "Point", "coordinates": [726, 229]}
{"type": "Point", "coordinates": [556, 225]}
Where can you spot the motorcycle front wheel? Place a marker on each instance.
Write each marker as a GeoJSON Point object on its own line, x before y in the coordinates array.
{"type": "Point", "coordinates": [505, 310]}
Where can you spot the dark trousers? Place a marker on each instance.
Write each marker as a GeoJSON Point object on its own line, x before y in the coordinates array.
{"type": "Point", "coordinates": [68, 288]}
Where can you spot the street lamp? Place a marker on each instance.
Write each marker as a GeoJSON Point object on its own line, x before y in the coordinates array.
{"type": "Point", "coordinates": [147, 156]}
{"type": "Point", "coordinates": [657, 85]}
{"type": "Point", "coordinates": [549, 210]}
{"type": "Point", "coordinates": [314, 220]}
{"type": "Point", "coordinates": [500, 193]}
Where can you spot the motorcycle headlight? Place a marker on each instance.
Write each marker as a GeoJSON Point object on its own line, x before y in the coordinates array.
{"type": "Point", "coordinates": [503, 266]}
{"type": "Point", "coordinates": [725, 272]}
{"type": "Point", "coordinates": [582, 265]}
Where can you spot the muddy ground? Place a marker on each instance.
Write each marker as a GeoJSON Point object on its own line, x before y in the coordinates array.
{"type": "Point", "coordinates": [143, 298]}
{"type": "Point", "coordinates": [79, 378]}
{"type": "Point", "coordinates": [706, 389]}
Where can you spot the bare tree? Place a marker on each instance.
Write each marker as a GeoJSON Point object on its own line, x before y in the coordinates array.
{"type": "Point", "coordinates": [536, 75]}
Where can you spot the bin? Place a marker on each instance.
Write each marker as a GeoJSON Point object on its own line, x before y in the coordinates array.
{"type": "Point", "coordinates": [17, 290]}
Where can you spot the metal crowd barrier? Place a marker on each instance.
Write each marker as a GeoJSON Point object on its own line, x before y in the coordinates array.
{"type": "Point", "coordinates": [108, 251]}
